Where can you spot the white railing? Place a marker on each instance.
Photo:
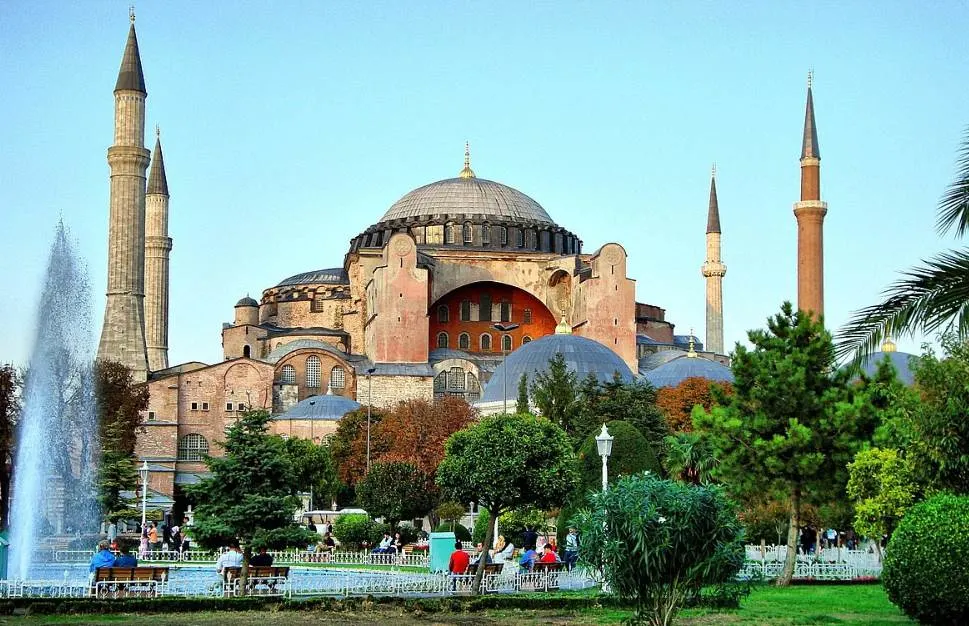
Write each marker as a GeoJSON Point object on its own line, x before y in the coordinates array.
{"type": "Point", "coordinates": [280, 557]}
{"type": "Point", "coordinates": [130, 589]}
{"type": "Point", "coordinates": [826, 564]}
{"type": "Point", "coordinates": [43, 589]}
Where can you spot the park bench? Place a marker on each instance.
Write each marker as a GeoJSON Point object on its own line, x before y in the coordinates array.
{"type": "Point", "coordinates": [262, 581]}
{"type": "Point", "coordinates": [128, 582]}
{"type": "Point", "coordinates": [542, 577]}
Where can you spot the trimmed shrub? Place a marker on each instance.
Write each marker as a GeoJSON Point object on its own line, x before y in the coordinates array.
{"type": "Point", "coordinates": [632, 453]}
{"type": "Point", "coordinates": [461, 533]}
{"type": "Point", "coordinates": [925, 570]}
{"type": "Point", "coordinates": [354, 530]}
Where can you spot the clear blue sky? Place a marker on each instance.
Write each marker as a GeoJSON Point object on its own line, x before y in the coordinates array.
{"type": "Point", "coordinates": [289, 127]}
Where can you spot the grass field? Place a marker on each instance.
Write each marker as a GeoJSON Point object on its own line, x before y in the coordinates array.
{"type": "Point", "coordinates": [843, 605]}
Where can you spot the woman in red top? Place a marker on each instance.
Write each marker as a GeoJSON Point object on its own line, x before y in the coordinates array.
{"type": "Point", "coordinates": [549, 555]}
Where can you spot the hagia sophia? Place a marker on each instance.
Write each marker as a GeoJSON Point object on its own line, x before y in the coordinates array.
{"type": "Point", "coordinates": [459, 288]}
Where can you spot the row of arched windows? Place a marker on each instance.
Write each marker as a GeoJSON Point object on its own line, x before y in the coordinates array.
{"type": "Point", "coordinates": [338, 377]}
{"type": "Point", "coordinates": [484, 341]}
{"type": "Point", "coordinates": [484, 311]}
{"type": "Point", "coordinates": [524, 238]}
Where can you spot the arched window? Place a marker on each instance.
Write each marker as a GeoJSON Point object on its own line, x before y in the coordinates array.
{"type": "Point", "coordinates": [486, 233]}
{"type": "Point", "coordinates": [474, 388]}
{"type": "Point", "coordinates": [246, 351]}
{"type": "Point", "coordinates": [338, 378]}
{"type": "Point", "coordinates": [465, 310]}
{"type": "Point", "coordinates": [468, 232]}
{"type": "Point", "coordinates": [443, 314]}
{"type": "Point", "coordinates": [464, 341]}
{"type": "Point", "coordinates": [484, 308]}
{"type": "Point", "coordinates": [506, 343]}
{"type": "Point", "coordinates": [506, 311]}
{"type": "Point", "coordinates": [449, 232]}
{"type": "Point", "coordinates": [526, 339]}
{"type": "Point", "coordinates": [313, 372]}
{"type": "Point", "coordinates": [288, 376]}
{"type": "Point", "coordinates": [486, 342]}
{"type": "Point", "coordinates": [521, 237]}
{"type": "Point", "coordinates": [455, 379]}
{"type": "Point", "coordinates": [442, 340]}
{"type": "Point", "coordinates": [192, 447]}
{"type": "Point", "coordinates": [527, 316]}
{"type": "Point", "coordinates": [503, 231]}
{"type": "Point", "coordinates": [440, 383]}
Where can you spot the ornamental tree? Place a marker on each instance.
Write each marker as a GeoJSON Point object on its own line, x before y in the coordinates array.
{"type": "Point", "coordinates": [676, 403]}
{"type": "Point", "coordinates": [631, 454]}
{"type": "Point", "coordinates": [505, 462]}
{"type": "Point", "coordinates": [793, 422]}
{"type": "Point", "coordinates": [395, 491]}
{"type": "Point", "coordinates": [655, 542]}
{"type": "Point", "coordinates": [251, 493]}
{"type": "Point", "coordinates": [882, 485]}
{"type": "Point", "coordinates": [314, 469]}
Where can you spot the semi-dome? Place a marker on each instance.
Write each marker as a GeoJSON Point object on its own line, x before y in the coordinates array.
{"type": "Point", "coordinates": [331, 276]}
{"type": "Point", "coordinates": [582, 355]}
{"type": "Point", "coordinates": [247, 301]}
{"type": "Point", "coordinates": [468, 196]}
{"type": "Point", "coordinates": [672, 373]}
{"type": "Point", "coordinates": [327, 407]}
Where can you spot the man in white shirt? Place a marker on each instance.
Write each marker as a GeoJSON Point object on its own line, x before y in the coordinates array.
{"type": "Point", "coordinates": [230, 558]}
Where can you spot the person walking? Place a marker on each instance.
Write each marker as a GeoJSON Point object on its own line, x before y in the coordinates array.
{"type": "Point", "coordinates": [571, 549]}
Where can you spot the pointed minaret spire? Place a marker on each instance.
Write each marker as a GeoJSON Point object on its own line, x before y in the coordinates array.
{"type": "Point", "coordinates": [809, 145]}
{"type": "Point", "coordinates": [158, 246]}
{"type": "Point", "coordinates": [130, 76]}
{"type": "Point", "coordinates": [714, 270]}
{"type": "Point", "coordinates": [467, 172]}
{"type": "Point", "coordinates": [810, 212]}
{"type": "Point", "coordinates": [157, 181]}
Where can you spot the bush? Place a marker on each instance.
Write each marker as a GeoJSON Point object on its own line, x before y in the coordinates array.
{"type": "Point", "coordinates": [354, 530]}
{"type": "Point", "coordinates": [408, 532]}
{"type": "Point", "coordinates": [656, 542]}
{"type": "Point", "coordinates": [925, 571]}
{"type": "Point", "coordinates": [632, 453]}
{"type": "Point", "coordinates": [461, 533]}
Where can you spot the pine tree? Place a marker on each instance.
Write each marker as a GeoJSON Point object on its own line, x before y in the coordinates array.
{"type": "Point", "coordinates": [522, 406]}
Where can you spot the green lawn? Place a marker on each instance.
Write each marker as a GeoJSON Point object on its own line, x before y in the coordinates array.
{"type": "Point", "coordinates": [767, 605]}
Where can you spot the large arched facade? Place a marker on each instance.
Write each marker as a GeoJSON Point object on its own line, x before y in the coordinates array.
{"type": "Point", "coordinates": [465, 318]}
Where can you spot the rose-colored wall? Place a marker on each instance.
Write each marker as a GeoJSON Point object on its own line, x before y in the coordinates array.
{"type": "Point", "coordinates": [397, 330]}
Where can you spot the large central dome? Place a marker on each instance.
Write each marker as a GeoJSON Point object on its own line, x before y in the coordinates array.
{"type": "Point", "coordinates": [468, 196]}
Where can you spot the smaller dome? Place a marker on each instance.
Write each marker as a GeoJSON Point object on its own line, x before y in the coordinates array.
{"type": "Point", "coordinates": [582, 356]}
{"type": "Point", "coordinates": [654, 360]}
{"type": "Point", "coordinates": [327, 407]}
{"type": "Point", "coordinates": [672, 373]}
{"type": "Point", "coordinates": [900, 360]}
{"type": "Point", "coordinates": [247, 301]}
{"type": "Point", "coordinates": [331, 276]}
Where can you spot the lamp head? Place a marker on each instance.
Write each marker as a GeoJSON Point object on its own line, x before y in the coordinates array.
{"type": "Point", "coordinates": [604, 442]}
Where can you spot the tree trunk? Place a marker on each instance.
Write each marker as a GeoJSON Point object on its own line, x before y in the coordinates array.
{"type": "Point", "coordinates": [788, 573]}
{"type": "Point", "coordinates": [244, 572]}
{"type": "Point", "coordinates": [489, 538]}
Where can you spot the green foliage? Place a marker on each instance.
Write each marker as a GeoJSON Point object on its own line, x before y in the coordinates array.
{"type": "Point", "coordinates": [480, 529]}
{"type": "Point", "coordinates": [925, 571]}
{"type": "Point", "coordinates": [11, 383]}
{"type": "Point", "coordinates": [355, 530]}
{"type": "Point", "coordinates": [792, 416]}
{"type": "Point", "coordinates": [461, 532]}
{"type": "Point", "coordinates": [396, 491]}
{"type": "Point", "coordinates": [521, 406]}
{"type": "Point", "coordinates": [314, 468]}
{"type": "Point", "coordinates": [631, 454]}
{"type": "Point", "coordinates": [554, 393]}
{"type": "Point", "coordinates": [689, 457]}
{"type": "Point", "coordinates": [656, 542]}
{"type": "Point", "coordinates": [512, 524]}
{"type": "Point", "coordinates": [507, 461]}
{"type": "Point", "coordinates": [766, 521]}
{"type": "Point", "coordinates": [615, 400]}
{"type": "Point", "coordinates": [450, 511]}
{"type": "Point", "coordinates": [408, 532]}
{"type": "Point", "coordinates": [116, 473]}
{"type": "Point", "coordinates": [882, 485]}
{"type": "Point", "coordinates": [250, 495]}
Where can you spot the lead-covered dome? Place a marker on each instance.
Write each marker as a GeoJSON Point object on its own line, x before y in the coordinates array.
{"type": "Point", "coordinates": [468, 196]}
{"type": "Point", "coordinates": [583, 356]}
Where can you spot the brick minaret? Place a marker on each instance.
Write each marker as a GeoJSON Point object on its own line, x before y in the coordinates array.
{"type": "Point", "coordinates": [714, 271]}
{"type": "Point", "coordinates": [810, 212]}
{"type": "Point", "coordinates": [123, 334]}
{"type": "Point", "coordinates": [157, 247]}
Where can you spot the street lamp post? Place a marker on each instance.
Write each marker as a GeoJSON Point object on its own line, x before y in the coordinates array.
{"type": "Point", "coordinates": [369, 404]}
{"type": "Point", "coordinates": [504, 328]}
{"type": "Point", "coordinates": [604, 445]}
{"type": "Point", "coordinates": [144, 492]}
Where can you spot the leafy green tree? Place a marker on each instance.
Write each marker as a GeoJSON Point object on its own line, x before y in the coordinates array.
{"type": "Point", "coordinates": [10, 388]}
{"type": "Point", "coordinates": [396, 491]}
{"type": "Point", "coordinates": [508, 461]}
{"type": "Point", "coordinates": [314, 469]}
{"type": "Point", "coordinates": [522, 405]}
{"type": "Point", "coordinates": [632, 402]}
{"type": "Point", "coordinates": [882, 485]}
{"type": "Point", "coordinates": [689, 457]}
{"type": "Point", "coordinates": [554, 394]}
{"type": "Point", "coordinates": [631, 454]}
{"type": "Point", "coordinates": [349, 444]}
{"type": "Point", "coordinates": [792, 424]}
{"type": "Point", "coordinates": [929, 297]}
{"type": "Point", "coordinates": [450, 512]}
{"type": "Point", "coordinates": [656, 542]}
{"type": "Point", "coordinates": [251, 493]}
{"type": "Point", "coordinates": [119, 402]}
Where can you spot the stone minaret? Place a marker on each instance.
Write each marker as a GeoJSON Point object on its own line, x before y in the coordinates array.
{"type": "Point", "coordinates": [714, 271]}
{"type": "Point", "coordinates": [123, 334]}
{"type": "Point", "coordinates": [157, 246]}
{"type": "Point", "coordinates": [810, 212]}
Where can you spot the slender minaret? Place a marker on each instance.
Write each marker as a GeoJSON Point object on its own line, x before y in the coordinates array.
{"type": "Point", "coordinates": [810, 212]}
{"type": "Point", "coordinates": [123, 334]}
{"type": "Point", "coordinates": [157, 247]}
{"type": "Point", "coordinates": [714, 271]}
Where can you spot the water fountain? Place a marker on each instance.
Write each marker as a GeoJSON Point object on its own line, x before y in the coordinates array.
{"type": "Point", "coordinates": [55, 462]}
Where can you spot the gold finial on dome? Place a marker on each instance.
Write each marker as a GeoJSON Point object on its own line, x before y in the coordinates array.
{"type": "Point", "coordinates": [888, 345]}
{"type": "Point", "coordinates": [692, 353]}
{"type": "Point", "coordinates": [467, 172]}
{"type": "Point", "coordinates": [563, 328]}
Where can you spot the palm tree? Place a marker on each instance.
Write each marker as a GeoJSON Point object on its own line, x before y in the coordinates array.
{"type": "Point", "coordinates": [928, 297]}
{"type": "Point", "coordinates": [689, 458]}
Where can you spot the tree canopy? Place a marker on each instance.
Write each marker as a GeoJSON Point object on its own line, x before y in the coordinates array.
{"type": "Point", "coordinates": [313, 469]}
{"type": "Point", "coordinates": [676, 403]}
{"type": "Point", "coordinates": [631, 454]}
{"type": "Point", "coordinates": [395, 491]}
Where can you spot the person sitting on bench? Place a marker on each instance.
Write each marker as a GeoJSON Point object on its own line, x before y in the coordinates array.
{"type": "Point", "coordinates": [125, 559]}
{"type": "Point", "coordinates": [263, 559]}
